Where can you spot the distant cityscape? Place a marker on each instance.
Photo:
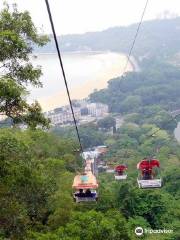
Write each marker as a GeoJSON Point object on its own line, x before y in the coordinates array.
{"type": "Point", "coordinates": [84, 112]}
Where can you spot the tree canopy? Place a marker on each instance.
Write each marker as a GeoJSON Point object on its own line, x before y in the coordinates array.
{"type": "Point", "coordinates": [37, 167]}
{"type": "Point", "coordinates": [18, 36]}
{"type": "Point", "coordinates": [106, 123]}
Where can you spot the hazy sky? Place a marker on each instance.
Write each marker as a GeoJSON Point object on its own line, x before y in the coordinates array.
{"type": "Point", "coordinates": [79, 16]}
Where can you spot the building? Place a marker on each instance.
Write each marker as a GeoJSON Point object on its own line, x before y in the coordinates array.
{"type": "Point", "coordinates": [83, 111]}
{"type": "Point", "coordinates": [97, 109]}
{"type": "Point", "coordinates": [63, 116]}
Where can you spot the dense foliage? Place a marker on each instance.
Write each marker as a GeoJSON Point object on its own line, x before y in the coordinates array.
{"type": "Point", "coordinates": [18, 35]}
{"type": "Point", "coordinates": [36, 173]}
{"type": "Point", "coordinates": [149, 95]}
{"type": "Point", "coordinates": [106, 123]}
{"type": "Point", "coordinates": [37, 170]}
{"type": "Point", "coordinates": [89, 134]}
{"type": "Point", "coordinates": [37, 167]}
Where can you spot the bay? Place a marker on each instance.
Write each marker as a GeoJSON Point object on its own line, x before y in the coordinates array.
{"type": "Point", "coordinates": [85, 71]}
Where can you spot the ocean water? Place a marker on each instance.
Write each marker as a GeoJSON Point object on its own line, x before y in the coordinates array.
{"type": "Point", "coordinates": [84, 71]}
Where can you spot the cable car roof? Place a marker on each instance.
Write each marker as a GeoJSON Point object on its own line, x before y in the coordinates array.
{"type": "Point", "coordinates": [148, 164]}
{"type": "Point", "coordinates": [85, 181]}
{"type": "Point", "coordinates": [121, 167]}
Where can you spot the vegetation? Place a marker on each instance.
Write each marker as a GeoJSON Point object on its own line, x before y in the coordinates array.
{"type": "Point", "coordinates": [89, 134]}
{"type": "Point", "coordinates": [18, 35]}
{"type": "Point", "coordinates": [147, 96]}
{"type": "Point", "coordinates": [37, 170]}
{"type": "Point", "coordinates": [36, 174]}
{"type": "Point", "coordinates": [37, 167]}
{"type": "Point", "coordinates": [106, 123]}
{"type": "Point", "coordinates": [152, 39]}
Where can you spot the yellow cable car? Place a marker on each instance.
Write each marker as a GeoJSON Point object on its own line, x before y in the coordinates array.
{"type": "Point", "coordinates": [85, 187]}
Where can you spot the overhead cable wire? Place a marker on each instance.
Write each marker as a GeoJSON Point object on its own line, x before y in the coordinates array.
{"type": "Point", "coordinates": [160, 128]}
{"type": "Point", "coordinates": [135, 36]}
{"type": "Point", "coordinates": [63, 71]}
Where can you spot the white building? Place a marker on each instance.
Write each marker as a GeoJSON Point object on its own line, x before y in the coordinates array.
{"type": "Point", "coordinates": [97, 109]}
{"type": "Point", "coordinates": [63, 117]}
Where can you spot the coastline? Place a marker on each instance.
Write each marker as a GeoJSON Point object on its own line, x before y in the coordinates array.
{"type": "Point", "coordinates": [89, 52]}
{"type": "Point", "coordinates": [112, 67]}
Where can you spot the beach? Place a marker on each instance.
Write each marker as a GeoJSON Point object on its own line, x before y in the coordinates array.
{"type": "Point", "coordinates": [85, 72]}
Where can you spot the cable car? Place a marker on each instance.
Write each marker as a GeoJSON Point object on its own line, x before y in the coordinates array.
{"type": "Point", "coordinates": [120, 172]}
{"type": "Point", "coordinates": [149, 174]}
{"type": "Point", "coordinates": [85, 186]}
{"type": "Point", "coordinates": [110, 167]}
{"type": "Point", "coordinates": [109, 170]}
{"type": "Point", "coordinates": [102, 149]}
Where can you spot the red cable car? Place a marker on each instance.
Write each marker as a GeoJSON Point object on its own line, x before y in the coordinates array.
{"type": "Point", "coordinates": [149, 176]}
{"type": "Point", "coordinates": [120, 172]}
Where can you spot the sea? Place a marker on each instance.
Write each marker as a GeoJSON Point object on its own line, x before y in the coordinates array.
{"type": "Point", "coordinates": [85, 73]}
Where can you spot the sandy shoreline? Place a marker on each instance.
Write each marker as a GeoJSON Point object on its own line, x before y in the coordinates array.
{"type": "Point", "coordinates": [100, 81]}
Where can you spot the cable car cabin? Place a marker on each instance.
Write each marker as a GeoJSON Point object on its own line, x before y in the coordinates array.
{"type": "Point", "coordinates": [110, 168]}
{"type": "Point", "coordinates": [85, 186]}
{"type": "Point", "coordinates": [120, 172]}
{"type": "Point", "coordinates": [102, 149]}
{"type": "Point", "coordinates": [149, 176]}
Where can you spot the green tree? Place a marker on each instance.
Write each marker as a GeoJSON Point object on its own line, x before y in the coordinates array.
{"type": "Point", "coordinates": [131, 103]}
{"type": "Point", "coordinates": [92, 225]}
{"type": "Point", "coordinates": [35, 188]}
{"type": "Point", "coordinates": [18, 36]}
{"type": "Point", "coordinates": [34, 117]}
{"type": "Point", "coordinates": [106, 122]}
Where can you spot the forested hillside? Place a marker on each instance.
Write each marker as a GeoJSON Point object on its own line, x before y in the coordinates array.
{"type": "Point", "coordinates": [37, 170]}
{"type": "Point", "coordinates": [148, 92]}
{"type": "Point", "coordinates": [37, 165]}
{"type": "Point", "coordinates": [156, 35]}
{"type": "Point", "coordinates": [36, 173]}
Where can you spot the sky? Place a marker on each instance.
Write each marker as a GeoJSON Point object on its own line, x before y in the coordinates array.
{"type": "Point", "coordinates": [79, 16]}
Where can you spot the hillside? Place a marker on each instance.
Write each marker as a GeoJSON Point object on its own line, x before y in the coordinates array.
{"type": "Point", "coordinates": [155, 86]}
{"type": "Point", "coordinates": [37, 166]}
{"type": "Point", "coordinates": [155, 35]}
